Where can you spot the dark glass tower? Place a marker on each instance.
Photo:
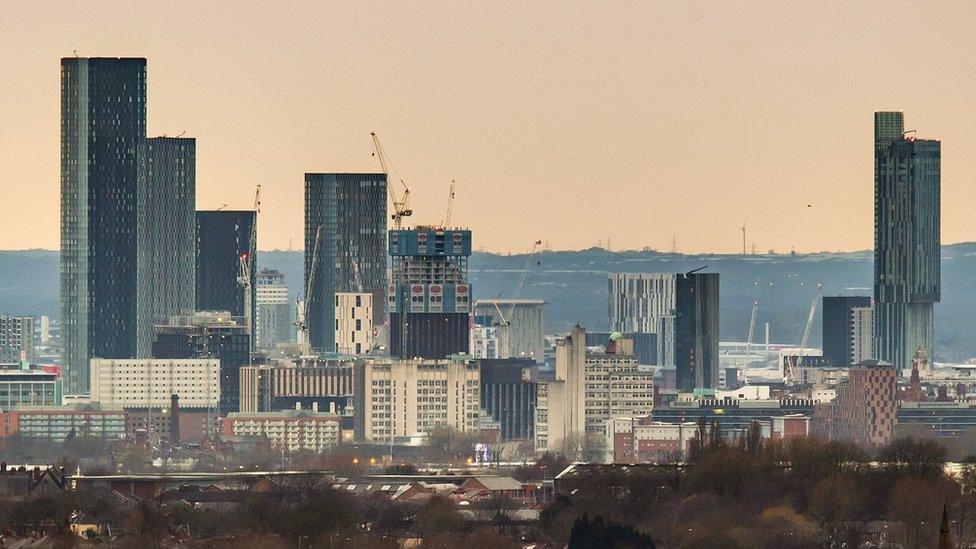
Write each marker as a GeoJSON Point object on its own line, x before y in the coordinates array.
{"type": "Point", "coordinates": [166, 234]}
{"type": "Point", "coordinates": [429, 297]}
{"type": "Point", "coordinates": [838, 327]}
{"type": "Point", "coordinates": [223, 236]}
{"type": "Point", "coordinates": [103, 124]}
{"type": "Point", "coordinates": [348, 213]}
{"type": "Point", "coordinates": [696, 330]}
{"type": "Point", "coordinates": [907, 263]}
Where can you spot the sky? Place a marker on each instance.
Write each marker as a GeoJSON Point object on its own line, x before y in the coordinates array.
{"type": "Point", "coordinates": [644, 124]}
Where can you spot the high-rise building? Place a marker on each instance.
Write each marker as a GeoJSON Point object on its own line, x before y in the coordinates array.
{"type": "Point", "coordinates": [16, 339]}
{"type": "Point", "coordinates": [345, 230]}
{"type": "Point", "coordinates": [520, 326]}
{"type": "Point", "coordinates": [865, 409]}
{"type": "Point", "coordinates": [223, 238]}
{"type": "Point", "coordinates": [103, 124]}
{"type": "Point", "coordinates": [274, 323]}
{"type": "Point", "coordinates": [354, 323]}
{"type": "Point", "coordinates": [862, 334]}
{"type": "Point", "coordinates": [508, 395]}
{"type": "Point", "coordinates": [683, 310]}
{"type": "Point", "coordinates": [907, 264]}
{"type": "Point", "coordinates": [429, 294]}
{"type": "Point", "coordinates": [328, 383]}
{"type": "Point", "coordinates": [209, 335]}
{"type": "Point", "coordinates": [838, 328]}
{"type": "Point", "coordinates": [166, 234]}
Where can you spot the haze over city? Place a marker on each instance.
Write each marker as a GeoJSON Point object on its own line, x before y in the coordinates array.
{"type": "Point", "coordinates": [578, 124]}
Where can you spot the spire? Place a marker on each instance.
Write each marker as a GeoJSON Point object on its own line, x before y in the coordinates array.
{"type": "Point", "coordinates": [945, 537]}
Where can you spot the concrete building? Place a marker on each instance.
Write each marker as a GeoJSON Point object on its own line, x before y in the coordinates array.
{"type": "Point", "coordinates": [683, 310]}
{"type": "Point", "coordinates": [307, 382]}
{"type": "Point", "coordinates": [22, 384]}
{"type": "Point", "coordinates": [58, 422]}
{"type": "Point", "coordinates": [645, 345]}
{"type": "Point", "coordinates": [354, 323]}
{"type": "Point", "coordinates": [734, 416]}
{"type": "Point", "coordinates": [208, 335]}
{"type": "Point", "coordinates": [405, 398]}
{"type": "Point", "coordinates": [508, 395]}
{"type": "Point", "coordinates": [224, 237]}
{"type": "Point", "coordinates": [519, 323]}
{"type": "Point", "coordinates": [151, 383]}
{"type": "Point", "coordinates": [589, 389]}
{"type": "Point", "coordinates": [907, 260]}
{"type": "Point", "coordinates": [484, 342]}
{"type": "Point", "coordinates": [275, 323]}
{"type": "Point", "coordinates": [346, 214]}
{"type": "Point", "coordinates": [429, 297]}
{"type": "Point", "coordinates": [103, 124]}
{"type": "Point", "coordinates": [838, 328]}
{"type": "Point", "coordinates": [166, 227]}
{"type": "Point", "coordinates": [862, 334]}
{"type": "Point", "coordinates": [865, 409]}
{"type": "Point", "coordinates": [289, 430]}
{"type": "Point", "coordinates": [16, 339]}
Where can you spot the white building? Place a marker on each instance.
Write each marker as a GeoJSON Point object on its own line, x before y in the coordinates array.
{"type": "Point", "coordinates": [354, 322]}
{"type": "Point", "coordinates": [519, 326]}
{"type": "Point", "coordinates": [484, 342]}
{"type": "Point", "coordinates": [274, 323]}
{"type": "Point", "coordinates": [404, 398]}
{"type": "Point", "coordinates": [289, 430]}
{"type": "Point", "coordinates": [862, 334]}
{"type": "Point", "coordinates": [149, 383]}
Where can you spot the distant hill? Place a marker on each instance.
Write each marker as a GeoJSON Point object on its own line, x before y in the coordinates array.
{"type": "Point", "coordinates": [575, 286]}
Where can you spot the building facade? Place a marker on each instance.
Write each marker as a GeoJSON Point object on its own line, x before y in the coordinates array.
{"type": "Point", "coordinates": [345, 247]}
{"type": "Point", "coordinates": [59, 422]}
{"type": "Point", "coordinates": [839, 324]}
{"type": "Point", "coordinates": [16, 339]}
{"type": "Point", "coordinates": [429, 297]}
{"type": "Point", "coordinates": [224, 237]}
{"type": "Point", "coordinates": [865, 408]}
{"type": "Point", "coordinates": [907, 260]}
{"type": "Point", "coordinates": [353, 323]}
{"type": "Point", "coordinates": [862, 334]}
{"type": "Point", "coordinates": [405, 398]}
{"type": "Point", "coordinates": [103, 124]}
{"type": "Point", "coordinates": [290, 430]}
{"type": "Point", "coordinates": [305, 382]}
{"type": "Point", "coordinates": [508, 395]}
{"type": "Point", "coordinates": [208, 335]}
{"type": "Point", "coordinates": [166, 234]}
{"type": "Point", "coordinates": [151, 383]}
{"type": "Point", "coordinates": [519, 323]}
{"type": "Point", "coordinates": [274, 323]}
{"type": "Point", "coordinates": [20, 385]}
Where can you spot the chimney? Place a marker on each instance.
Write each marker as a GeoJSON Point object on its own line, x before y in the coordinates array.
{"type": "Point", "coordinates": [174, 420]}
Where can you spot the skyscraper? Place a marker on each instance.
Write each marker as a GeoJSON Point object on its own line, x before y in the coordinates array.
{"type": "Point", "coordinates": [223, 237]}
{"type": "Point", "coordinates": [429, 294]}
{"type": "Point", "coordinates": [907, 265]}
{"type": "Point", "coordinates": [103, 124]}
{"type": "Point", "coordinates": [274, 322]}
{"type": "Point", "coordinates": [166, 229]}
{"type": "Point", "coordinates": [839, 327]}
{"type": "Point", "coordinates": [346, 214]}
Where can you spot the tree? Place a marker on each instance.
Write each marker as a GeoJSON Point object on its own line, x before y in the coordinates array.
{"type": "Point", "coordinates": [914, 457]}
{"type": "Point", "coordinates": [437, 515]}
{"type": "Point", "coordinates": [587, 534]}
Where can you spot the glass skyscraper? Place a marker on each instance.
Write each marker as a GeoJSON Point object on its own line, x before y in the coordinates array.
{"type": "Point", "coordinates": [103, 124]}
{"type": "Point", "coordinates": [348, 212]}
{"type": "Point", "coordinates": [223, 236]}
{"type": "Point", "coordinates": [907, 264]}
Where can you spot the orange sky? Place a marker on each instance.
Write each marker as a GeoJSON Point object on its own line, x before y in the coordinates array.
{"type": "Point", "coordinates": [569, 122]}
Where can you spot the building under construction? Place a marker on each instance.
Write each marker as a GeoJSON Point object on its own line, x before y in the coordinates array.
{"type": "Point", "coordinates": [429, 298]}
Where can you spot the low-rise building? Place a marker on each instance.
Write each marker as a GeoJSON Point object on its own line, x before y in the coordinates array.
{"type": "Point", "coordinates": [28, 385]}
{"type": "Point", "coordinates": [289, 430]}
{"type": "Point", "coordinates": [60, 422]}
{"type": "Point", "coordinates": [734, 416]}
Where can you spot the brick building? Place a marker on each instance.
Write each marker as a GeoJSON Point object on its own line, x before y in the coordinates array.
{"type": "Point", "coordinates": [866, 407]}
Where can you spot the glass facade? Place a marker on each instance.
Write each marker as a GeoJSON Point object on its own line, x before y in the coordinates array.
{"type": "Point", "coordinates": [223, 236]}
{"type": "Point", "coordinates": [103, 123]}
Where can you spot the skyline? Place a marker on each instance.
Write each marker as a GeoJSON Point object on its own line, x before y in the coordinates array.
{"type": "Point", "coordinates": [540, 171]}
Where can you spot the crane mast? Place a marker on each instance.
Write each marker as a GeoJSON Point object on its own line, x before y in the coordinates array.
{"type": "Point", "coordinates": [518, 288]}
{"type": "Point", "coordinates": [244, 281]}
{"type": "Point", "coordinates": [450, 206]}
{"type": "Point", "coordinates": [401, 206]}
{"type": "Point", "coordinates": [302, 308]}
{"type": "Point", "coordinates": [752, 327]}
{"type": "Point", "coordinates": [806, 331]}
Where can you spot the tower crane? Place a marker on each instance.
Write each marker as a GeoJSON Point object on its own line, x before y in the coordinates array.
{"type": "Point", "coordinates": [257, 200]}
{"type": "Point", "coordinates": [301, 308]}
{"type": "Point", "coordinates": [450, 206]}
{"type": "Point", "coordinates": [506, 321]}
{"type": "Point", "coordinates": [798, 361]}
{"type": "Point", "coordinates": [244, 281]}
{"type": "Point", "coordinates": [401, 206]}
{"type": "Point", "coordinates": [752, 327]}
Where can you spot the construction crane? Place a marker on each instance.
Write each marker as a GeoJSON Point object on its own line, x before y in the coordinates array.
{"type": "Point", "coordinates": [301, 308]}
{"type": "Point", "coordinates": [506, 321]}
{"type": "Point", "coordinates": [798, 361]}
{"type": "Point", "coordinates": [257, 200]}
{"type": "Point", "coordinates": [752, 327]}
{"type": "Point", "coordinates": [401, 206]}
{"type": "Point", "coordinates": [450, 206]}
{"type": "Point", "coordinates": [244, 281]}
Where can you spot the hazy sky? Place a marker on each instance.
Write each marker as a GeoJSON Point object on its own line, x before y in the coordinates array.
{"type": "Point", "coordinates": [569, 122]}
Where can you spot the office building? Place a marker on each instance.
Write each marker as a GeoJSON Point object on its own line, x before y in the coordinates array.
{"type": "Point", "coordinates": [16, 339]}
{"type": "Point", "coordinates": [22, 384]}
{"type": "Point", "coordinates": [907, 263]}
{"type": "Point", "coordinates": [429, 294]}
{"type": "Point", "coordinates": [151, 383]}
{"type": "Point", "coordinates": [345, 247]}
{"type": "Point", "coordinates": [865, 409]}
{"type": "Point", "coordinates": [519, 324]}
{"type": "Point", "coordinates": [353, 323]}
{"type": "Point", "coordinates": [683, 310]}
{"type": "Point", "coordinates": [589, 388]}
{"type": "Point", "coordinates": [428, 394]}
{"type": "Point", "coordinates": [208, 335]}
{"type": "Point", "coordinates": [328, 383]}
{"type": "Point", "coordinates": [103, 124]}
{"type": "Point", "coordinates": [224, 238]}
{"type": "Point", "coordinates": [838, 327]}
{"type": "Point", "coordinates": [275, 323]}
{"type": "Point", "coordinates": [508, 395]}
{"type": "Point", "coordinates": [59, 422]}
{"type": "Point", "coordinates": [288, 430]}
{"type": "Point", "coordinates": [166, 234]}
